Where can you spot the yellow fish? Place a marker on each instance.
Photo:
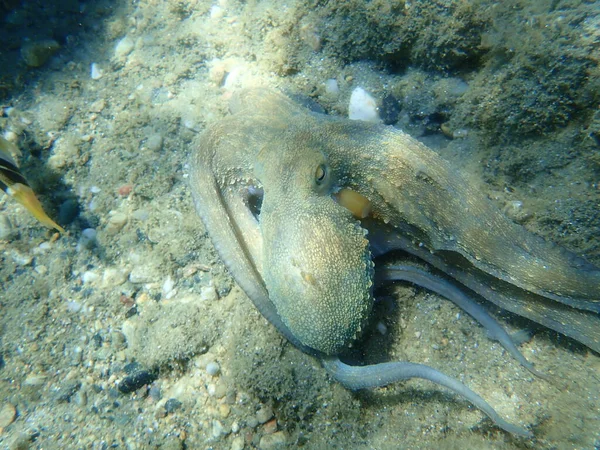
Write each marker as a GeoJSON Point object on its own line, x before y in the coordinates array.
{"type": "Point", "coordinates": [14, 184]}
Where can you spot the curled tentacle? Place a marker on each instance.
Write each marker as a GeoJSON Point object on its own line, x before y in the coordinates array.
{"type": "Point", "coordinates": [377, 375]}
{"type": "Point", "coordinates": [416, 275]}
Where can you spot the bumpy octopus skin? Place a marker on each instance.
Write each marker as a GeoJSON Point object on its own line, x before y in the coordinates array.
{"type": "Point", "coordinates": [267, 184]}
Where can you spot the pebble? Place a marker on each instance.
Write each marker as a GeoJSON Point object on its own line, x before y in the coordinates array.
{"type": "Point", "coordinates": [273, 441]}
{"type": "Point", "coordinates": [116, 222]}
{"type": "Point", "coordinates": [390, 109]}
{"type": "Point", "coordinates": [141, 274]}
{"type": "Point", "coordinates": [213, 368]}
{"type": "Point", "coordinates": [87, 239]}
{"type": "Point", "coordinates": [237, 443]}
{"type": "Point", "coordinates": [95, 72]}
{"type": "Point", "coordinates": [224, 410]}
{"type": "Point", "coordinates": [252, 422]}
{"type": "Point", "coordinates": [140, 214]}
{"type": "Point", "coordinates": [154, 142]}
{"type": "Point", "coordinates": [7, 231]}
{"type": "Point", "coordinates": [331, 86]}
{"type": "Point", "coordinates": [35, 54]}
{"type": "Point", "coordinates": [168, 286]}
{"type": "Point", "coordinates": [172, 405]}
{"type": "Point", "coordinates": [97, 107]}
{"type": "Point", "coordinates": [209, 293]}
{"type": "Point", "coordinates": [264, 414]}
{"type": "Point", "coordinates": [114, 277]}
{"type": "Point", "coordinates": [270, 427]}
{"type": "Point", "coordinates": [124, 47]}
{"type": "Point", "coordinates": [218, 429]}
{"type": "Point", "coordinates": [8, 413]}
{"type": "Point", "coordinates": [363, 106]}
{"type": "Point", "coordinates": [89, 277]}
{"type": "Point", "coordinates": [136, 380]}
{"type": "Point", "coordinates": [21, 259]}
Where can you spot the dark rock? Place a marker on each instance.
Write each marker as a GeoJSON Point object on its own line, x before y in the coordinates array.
{"type": "Point", "coordinates": [389, 110]}
{"type": "Point", "coordinates": [172, 405]}
{"type": "Point", "coordinates": [68, 211]}
{"type": "Point", "coordinates": [136, 380]}
{"type": "Point", "coordinates": [67, 391]}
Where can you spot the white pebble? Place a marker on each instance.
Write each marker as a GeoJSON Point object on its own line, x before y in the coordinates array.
{"type": "Point", "coordinates": [168, 285]}
{"type": "Point", "coordinates": [95, 71]}
{"type": "Point", "coordinates": [74, 306]}
{"type": "Point", "coordinates": [209, 293]}
{"type": "Point", "coordinates": [154, 142]}
{"type": "Point", "coordinates": [213, 368]}
{"type": "Point", "coordinates": [331, 86]}
{"type": "Point", "coordinates": [113, 277]}
{"type": "Point", "coordinates": [363, 106]}
{"type": "Point", "coordinates": [21, 259]}
{"type": "Point", "coordinates": [88, 277]}
{"type": "Point", "coordinates": [124, 47]}
{"type": "Point", "coordinates": [382, 328]}
{"type": "Point", "coordinates": [140, 214]}
{"type": "Point", "coordinates": [87, 239]}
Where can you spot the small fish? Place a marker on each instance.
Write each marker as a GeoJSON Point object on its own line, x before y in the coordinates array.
{"type": "Point", "coordinates": [14, 184]}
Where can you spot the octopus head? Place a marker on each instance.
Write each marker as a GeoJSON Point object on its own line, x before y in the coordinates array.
{"type": "Point", "coordinates": [317, 263]}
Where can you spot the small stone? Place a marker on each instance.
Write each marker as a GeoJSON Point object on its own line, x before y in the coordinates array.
{"type": "Point", "coordinates": [124, 47]}
{"type": "Point", "coordinates": [252, 422]}
{"type": "Point", "coordinates": [136, 380]}
{"type": "Point", "coordinates": [270, 427]}
{"type": "Point", "coordinates": [113, 277]}
{"type": "Point", "coordinates": [264, 414]}
{"type": "Point", "coordinates": [390, 109]}
{"type": "Point", "coordinates": [154, 142]}
{"type": "Point", "coordinates": [141, 274]}
{"type": "Point", "coordinates": [67, 390]}
{"type": "Point", "coordinates": [172, 405]}
{"type": "Point", "coordinates": [35, 54]}
{"type": "Point", "coordinates": [98, 106]}
{"type": "Point", "coordinates": [381, 328]}
{"type": "Point", "coordinates": [117, 340]}
{"type": "Point", "coordinates": [218, 429]}
{"type": "Point", "coordinates": [7, 231]}
{"type": "Point", "coordinates": [8, 413]}
{"type": "Point", "coordinates": [224, 410]}
{"type": "Point", "coordinates": [209, 293]}
{"type": "Point", "coordinates": [363, 106]}
{"type": "Point", "coordinates": [87, 239]}
{"type": "Point", "coordinates": [213, 368]}
{"type": "Point", "coordinates": [168, 285]}
{"type": "Point", "coordinates": [80, 398]}
{"type": "Point", "coordinates": [21, 259]}
{"type": "Point", "coordinates": [89, 277]}
{"type": "Point", "coordinates": [273, 441]}
{"type": "Point", "coordinates": [331, 86]}
{"type": "Point", "coordinates": [237, 443]}
{"type": "Point", "coordinates": [95, 72]}
{"type": "Point", "coordinates": [116, 222]}
{"type": "Point", "coordinates": [140, 214]}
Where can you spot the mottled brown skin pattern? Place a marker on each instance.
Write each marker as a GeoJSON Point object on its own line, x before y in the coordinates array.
{"type": "Point", "coordinates": [288, 258]}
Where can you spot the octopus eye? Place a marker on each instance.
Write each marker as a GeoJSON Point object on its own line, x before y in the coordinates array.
{"type": "Point", "coordinates": [321, 173]}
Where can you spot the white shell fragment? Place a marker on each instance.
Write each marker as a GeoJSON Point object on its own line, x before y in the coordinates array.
{"type": "Point", "coordinates": [363, 106]}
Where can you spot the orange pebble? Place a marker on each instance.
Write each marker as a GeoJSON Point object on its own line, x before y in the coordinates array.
{"type": "Point", "coordinates": [125, 190]}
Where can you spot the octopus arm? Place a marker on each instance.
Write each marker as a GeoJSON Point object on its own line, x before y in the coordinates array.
{"type": "Point", "coordinates": [377, 375]}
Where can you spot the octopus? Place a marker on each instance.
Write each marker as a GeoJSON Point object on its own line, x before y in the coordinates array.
{"type": "Point", "coordinates": [313, 213]}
